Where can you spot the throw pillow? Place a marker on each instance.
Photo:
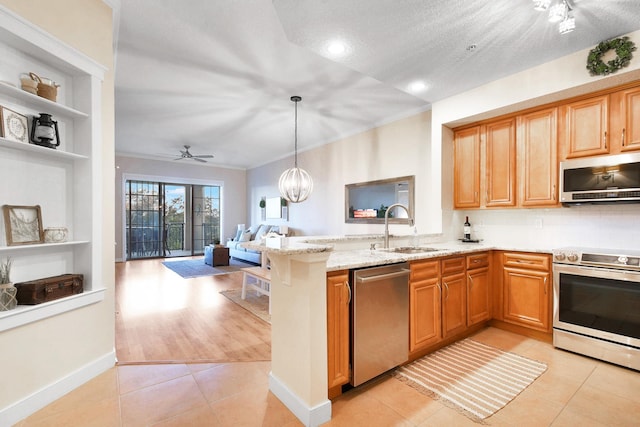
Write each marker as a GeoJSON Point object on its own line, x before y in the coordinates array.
{"type": "Point", "coordinates": [238, 234]}
{"type": "Point", "coordinates": [245, 236]}
{"type": "Point", "coordinates": [263, 230]}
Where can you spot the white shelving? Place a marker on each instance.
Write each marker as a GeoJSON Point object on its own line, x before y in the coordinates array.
{"type": "Point", "coordinates": [31, 248]}
{"type": "Point", "coordinates": [26, 98]}
{"type": "Point", "coordinates": [66, 181]}
{"type": "Point", "coordinates": [40, 150]}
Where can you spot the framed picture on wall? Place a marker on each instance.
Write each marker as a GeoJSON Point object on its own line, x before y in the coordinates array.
{"type": "Point", "coordinates": [23, 225]}
{"type": "Point", "coordinates": [14, 125]}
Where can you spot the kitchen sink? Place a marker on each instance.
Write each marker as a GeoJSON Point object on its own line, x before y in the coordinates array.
{"type": "Point", "coordinates": [411, 249]}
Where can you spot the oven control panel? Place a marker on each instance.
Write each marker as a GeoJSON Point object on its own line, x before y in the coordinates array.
{"type": "Point", "coordinates": [598, 258]}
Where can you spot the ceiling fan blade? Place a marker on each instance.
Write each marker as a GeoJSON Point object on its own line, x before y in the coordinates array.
{"type": "Point", "coordinates": [205, 156]}
{"type": "Point", "coordinates": [199, 160]}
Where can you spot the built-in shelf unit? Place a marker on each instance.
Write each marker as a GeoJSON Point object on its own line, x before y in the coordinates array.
{"type": "Point", "coordinates": [65, 182]}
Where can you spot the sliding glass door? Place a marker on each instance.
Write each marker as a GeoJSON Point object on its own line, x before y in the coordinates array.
{"type": "Point", "coordinates": [206, 216]}
{"type": "Point", "coordinates": [168, 220]}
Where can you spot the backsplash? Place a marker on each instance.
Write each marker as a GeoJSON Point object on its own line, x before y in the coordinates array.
{"type": "Point", "coordinates": [605, 226]}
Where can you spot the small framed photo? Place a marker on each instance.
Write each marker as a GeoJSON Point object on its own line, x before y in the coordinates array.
{"type": "Point", "coordinates": [14, 126]}
{"type": "Point", "coordinates": [23, 225]}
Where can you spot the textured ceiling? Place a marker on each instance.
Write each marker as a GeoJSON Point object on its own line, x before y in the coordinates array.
{"type": "Point", "coordinates": [218, 75]}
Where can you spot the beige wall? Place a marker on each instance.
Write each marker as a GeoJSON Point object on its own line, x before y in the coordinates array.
{"type": "Point", "coordinates": [45, 352]}
{"type": "Point", "coordinates": [396, 149]}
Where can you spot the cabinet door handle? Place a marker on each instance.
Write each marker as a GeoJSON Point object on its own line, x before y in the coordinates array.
{"type": "Point", "coordinates": [553, 192]}
{"type": "Point", "coordinates": [470, 281]}
{"type": "Point", "coordinates": [348, 291]}
{"type": "Point", "coordinates": [439, 288]}
{"type": "Point", "coordinates": [605, 139]}
{"type": "Point", "coordinates": [447, 289]}
{"type": "Point", "coordinates": [623, 131]}
{"type": "Point", "coordinates": [545, 285]}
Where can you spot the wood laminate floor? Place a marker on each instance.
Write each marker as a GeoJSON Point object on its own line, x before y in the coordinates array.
{"type": "Point", "coordinates": [163, 318]}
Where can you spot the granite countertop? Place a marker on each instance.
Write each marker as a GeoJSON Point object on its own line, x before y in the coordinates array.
{"type": "Point", "coordinates": [342, 260]}
{"type": "Point", "coordinates": [287, 247]}
{"type": "Point", "coordinates": [348, 259]}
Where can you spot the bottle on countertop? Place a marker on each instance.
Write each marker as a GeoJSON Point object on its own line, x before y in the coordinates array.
{"type": "Point", "coordinates": [467, 229]}
{"type": "Point", "coordinates": [415, 242]}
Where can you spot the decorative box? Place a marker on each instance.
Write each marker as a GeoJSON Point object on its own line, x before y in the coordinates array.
{"type": "Point", "coordinates": [49, 288]}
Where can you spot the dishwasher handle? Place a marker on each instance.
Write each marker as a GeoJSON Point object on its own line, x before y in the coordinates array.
{"type": "Point", "coordinates": [400, 273]}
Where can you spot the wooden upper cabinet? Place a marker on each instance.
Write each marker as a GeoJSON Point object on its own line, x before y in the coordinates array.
{"type": "Point", "coordinates": [501, 163]}
{"type": "Point", "coordinates": [624, 120]}
{"type": "Point", "coordinates": [466, 168]}
{"type": "Point", "coordinates": [584, 127]}
{"type": "Point", "coordinates": [538, 158]}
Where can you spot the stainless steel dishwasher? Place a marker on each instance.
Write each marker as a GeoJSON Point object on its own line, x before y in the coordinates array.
{"type": "Point", "coordinates": [380, 324]}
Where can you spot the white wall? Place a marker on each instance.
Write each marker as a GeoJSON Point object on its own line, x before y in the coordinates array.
{"type": "Point", "coordinates": [396, 149]}
{"type": "Point", "coordinates": [608, 226]}
{"type": "Point", "coordinates": [233, 182]}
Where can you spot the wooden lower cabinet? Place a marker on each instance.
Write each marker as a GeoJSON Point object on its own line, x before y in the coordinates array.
{"type": "Point", "coordinates": [338, 299]}
{"type": "Point", "coordinates": [425, 327]}
{"type": "Point", "coordinates": [478, 295]}
{"type": "Point", "coordinates": [454, 296]}
{"type": "Point", "coordinates": [478, 288]}
{"type": "Point", "coordinates": [526, 290]}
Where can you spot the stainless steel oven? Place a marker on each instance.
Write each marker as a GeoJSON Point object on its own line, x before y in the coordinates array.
{"type": "Point", "coordinates": [596, 304]}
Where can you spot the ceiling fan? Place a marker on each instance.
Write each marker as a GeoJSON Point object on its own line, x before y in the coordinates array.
{"type": "Point", "coordinates": [185, 154]}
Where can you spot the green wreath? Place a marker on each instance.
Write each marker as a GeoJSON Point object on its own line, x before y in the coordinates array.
{"type": "Point", "coordinates": [623, 47]}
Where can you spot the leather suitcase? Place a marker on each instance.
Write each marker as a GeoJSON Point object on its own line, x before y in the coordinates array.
{"type": "Point", "coordinates": [49, 288]}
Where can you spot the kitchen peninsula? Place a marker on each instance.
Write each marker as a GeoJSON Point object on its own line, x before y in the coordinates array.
{"type": "Point", "coordinates": [300, 270]}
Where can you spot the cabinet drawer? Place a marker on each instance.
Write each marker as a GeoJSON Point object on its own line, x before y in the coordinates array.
{"type": "Point", "coordinates": [452, 265]}
{"type": "Point", "coordinates": [477, 260]}
{"type": "Point", "coordinates": [421, 270]}
{"type": "Point", "coordinates": [527, 260]}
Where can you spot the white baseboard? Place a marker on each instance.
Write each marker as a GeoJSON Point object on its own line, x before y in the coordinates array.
{"type": "Point", "coordinates": [52, 392]}
{"type": "Point", "coordinates": [309, 416]}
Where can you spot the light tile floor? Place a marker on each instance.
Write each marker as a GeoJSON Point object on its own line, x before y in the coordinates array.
{"type": "Point", "coordinates": [574, 391]}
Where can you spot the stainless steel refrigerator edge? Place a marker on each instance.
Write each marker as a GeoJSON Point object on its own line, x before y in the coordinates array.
{"type": "Point", "coordinates": [380, 325]}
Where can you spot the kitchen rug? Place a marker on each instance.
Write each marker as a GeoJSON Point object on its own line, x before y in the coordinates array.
{"type": "Point", "coordinates": [255, 303]}
{"type": "Point", "coordinates": [196, 267]}
{"type": "Point", "coordinates": [476, 379]}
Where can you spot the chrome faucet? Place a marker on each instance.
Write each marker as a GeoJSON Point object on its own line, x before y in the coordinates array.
{"type": "Point", "coordinates": [386, 222]}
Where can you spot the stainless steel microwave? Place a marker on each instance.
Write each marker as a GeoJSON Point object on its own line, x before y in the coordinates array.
{"type": "Point", "coordinates": [602, 179]}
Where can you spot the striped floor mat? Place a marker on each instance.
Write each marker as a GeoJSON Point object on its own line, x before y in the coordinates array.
{"type": "Point", "coordinates": [474, 378]}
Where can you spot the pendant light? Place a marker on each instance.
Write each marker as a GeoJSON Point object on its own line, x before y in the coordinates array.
{"type": "Point", "coordinates": [295, 184]}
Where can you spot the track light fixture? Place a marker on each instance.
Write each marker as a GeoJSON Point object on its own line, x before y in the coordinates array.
{"type": "Point", "coordinates": [560, 12]}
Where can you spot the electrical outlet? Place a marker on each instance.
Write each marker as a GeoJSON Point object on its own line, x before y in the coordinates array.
{"type": "Point", "coordinates": [537, 223]}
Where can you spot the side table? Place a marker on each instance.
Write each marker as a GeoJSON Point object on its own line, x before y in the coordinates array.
{"type": "Point", "coordinates": [215, 255]}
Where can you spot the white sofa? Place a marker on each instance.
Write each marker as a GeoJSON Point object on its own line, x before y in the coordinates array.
{"type": "Point", "coordinates": [255, 232]}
